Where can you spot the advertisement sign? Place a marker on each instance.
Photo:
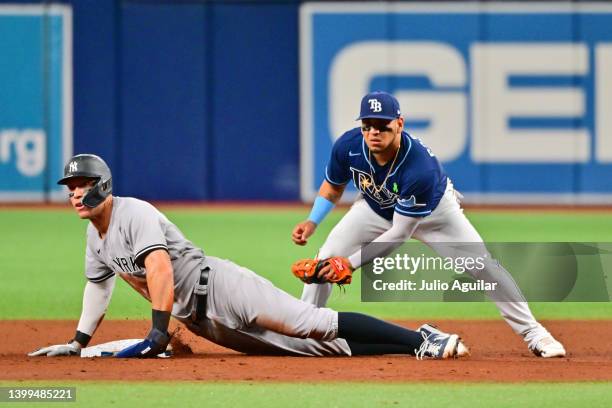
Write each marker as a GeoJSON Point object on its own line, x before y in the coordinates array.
{"type": "Point", "coordinates": [35, 100]}
{"type": "Point", "coordinates": [515, 99]}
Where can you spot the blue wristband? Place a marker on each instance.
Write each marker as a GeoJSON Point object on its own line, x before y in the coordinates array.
{"type": "Point", "coordinates": [320, 209]}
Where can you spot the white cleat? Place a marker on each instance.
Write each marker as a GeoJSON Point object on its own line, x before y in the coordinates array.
{"type": "Point", "coordinates": [548, 347]}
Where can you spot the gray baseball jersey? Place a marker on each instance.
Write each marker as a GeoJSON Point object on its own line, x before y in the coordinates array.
{"type": "Point", "coordinates": [244, 312]}
{"type": "Point", "coordinates": [137, 228]}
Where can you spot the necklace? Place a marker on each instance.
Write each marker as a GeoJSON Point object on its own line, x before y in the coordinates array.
{"type": "Point", "coordinates": [377, 190]}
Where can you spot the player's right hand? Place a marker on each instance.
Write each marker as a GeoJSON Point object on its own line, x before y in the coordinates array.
{"type": "Point", "coordinates": [303, 231]}
{"type": "Point", "coordinates": [70, 349]}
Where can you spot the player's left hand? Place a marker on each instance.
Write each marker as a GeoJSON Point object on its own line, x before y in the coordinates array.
{"type": "Point", "coordinates": [155, 343]}
{"type": "Point", "coordinates": [70, 349]}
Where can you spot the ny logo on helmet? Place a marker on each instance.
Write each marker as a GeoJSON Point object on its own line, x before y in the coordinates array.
{"type": "Point", "coordinates": [72, 167]}
{"type": "Point", "coordinates": [375, 105]}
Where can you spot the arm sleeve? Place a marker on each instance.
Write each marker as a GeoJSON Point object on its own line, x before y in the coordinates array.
{"type": "Point", "coordinates": [96, 298]}
{"type": "Point", "coordinates": [417, 200]}
{"type": "Point", "coordinates": [402, 229]}
{"type": "Point", "coordinates": [146, 233]}
{"type": "Point", "coordinates": [337, 171]}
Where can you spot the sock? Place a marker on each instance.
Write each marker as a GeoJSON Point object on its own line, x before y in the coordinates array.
{"type": "Point", "coordinates": [360, 349]}
{"type": "Point", "coordinates": [362, 330]}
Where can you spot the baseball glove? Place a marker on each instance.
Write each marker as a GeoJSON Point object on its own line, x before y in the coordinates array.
{"type": "Point", "coordinates": [307, 270]}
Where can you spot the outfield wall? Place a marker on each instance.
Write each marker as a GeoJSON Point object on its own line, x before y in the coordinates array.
{"type": "Point", "coordinates": [225, 100]}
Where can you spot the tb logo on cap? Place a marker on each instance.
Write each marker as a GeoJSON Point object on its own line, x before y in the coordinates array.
{"type": "Point", "coordinates": [375, 105]}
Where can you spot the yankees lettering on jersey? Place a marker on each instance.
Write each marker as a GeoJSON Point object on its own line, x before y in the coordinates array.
{"type": "Point", "coordinates": [127, 265]}
{"type": "Point", "coordinates": [415, 184]}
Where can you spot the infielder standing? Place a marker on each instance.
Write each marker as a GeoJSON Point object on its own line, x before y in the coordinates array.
{"type": "Point", "coordinates": [216, 299]}
{"type": "Point", "coordinates": [405, 194]}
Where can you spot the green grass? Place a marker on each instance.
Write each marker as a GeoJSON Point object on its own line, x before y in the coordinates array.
{"type": "Point", "coordinates": [42, 258]}
{"type": "Point", "coordinates": [41, 261]}
{"type": "Point", "coordinates": [254, 395]}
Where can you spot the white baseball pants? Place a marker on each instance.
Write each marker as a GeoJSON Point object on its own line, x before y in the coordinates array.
{"type": "Point", "coordinates": [447, 223]}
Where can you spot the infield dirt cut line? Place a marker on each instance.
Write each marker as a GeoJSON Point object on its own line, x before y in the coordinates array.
{"type": "Point", "coordinates": [498, 355]}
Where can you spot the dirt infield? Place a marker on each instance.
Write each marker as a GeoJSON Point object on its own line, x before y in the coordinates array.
{"type": "Point", "coordinates": [497, 355]}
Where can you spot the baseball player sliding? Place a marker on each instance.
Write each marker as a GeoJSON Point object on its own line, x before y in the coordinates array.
{"type": "Point", "coordinates": [215, 298]}
{"type": "Point", "coordinates": [405, 194]}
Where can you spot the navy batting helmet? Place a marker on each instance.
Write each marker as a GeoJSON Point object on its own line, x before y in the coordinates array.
{"type": "Point", "coordinates": [91, 166]}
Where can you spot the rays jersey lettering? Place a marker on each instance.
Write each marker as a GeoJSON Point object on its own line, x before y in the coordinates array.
{"type": "Point", "coordinates": [363, 181]}
{"type": "Point", "coordinates": [415, 184]}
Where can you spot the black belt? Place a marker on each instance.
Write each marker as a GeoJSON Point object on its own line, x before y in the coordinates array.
{"type": "Point", "coordinates": [201, 293]}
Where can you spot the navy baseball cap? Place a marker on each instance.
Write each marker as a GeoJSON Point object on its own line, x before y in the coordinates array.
{"type": "Point", "coordinates": [379, 105]}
